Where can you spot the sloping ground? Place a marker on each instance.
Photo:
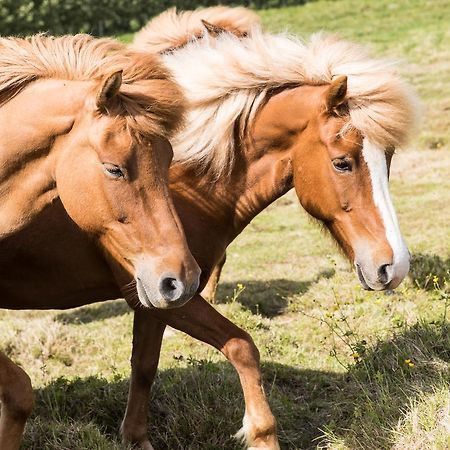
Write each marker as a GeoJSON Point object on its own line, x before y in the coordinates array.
{"type": "Point", "coordinates": [344, 369]}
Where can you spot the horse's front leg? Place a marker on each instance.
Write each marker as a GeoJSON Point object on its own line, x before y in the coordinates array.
{"type": "Point", "coordinates": [147, 338]}
{"type": "Point", "coordinates": [203, 322]}
{"type": "Point", "coordinates": [210, 290]}
{"type": "Point", "coordinates": [17, 398]}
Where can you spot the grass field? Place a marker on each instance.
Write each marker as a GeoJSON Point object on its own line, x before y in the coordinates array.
{"type": "Point", "coordinates": [343, 368]}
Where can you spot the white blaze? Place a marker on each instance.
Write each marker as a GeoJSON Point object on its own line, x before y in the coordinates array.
{"type": "Point", "coordinates": [376, 161]}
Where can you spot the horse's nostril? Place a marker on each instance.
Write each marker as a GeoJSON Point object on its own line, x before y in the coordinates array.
{"type": "Point", "coordinates": [383, 275]}
{"type": "Point", "coordinates": [169, 284]}
{"type": "Point", "coordinates": [171, 288]}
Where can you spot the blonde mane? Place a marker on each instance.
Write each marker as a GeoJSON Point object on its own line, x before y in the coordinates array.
{"type": "Point", "coordinates": [227, 78]}
{"type": "Point", "coordinates": [83, 58]}
{"type": "Point", "coordinates": [172, 30]}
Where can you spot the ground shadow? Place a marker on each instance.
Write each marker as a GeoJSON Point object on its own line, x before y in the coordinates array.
{"type": "Point", "coordinates": [95, 312]}
{"type": "Point", "coordinates": [425, 267]}
{"type": "Point", "coordinates": [267, 297]}
{"type": "Point", "coordinates": [200, 406]}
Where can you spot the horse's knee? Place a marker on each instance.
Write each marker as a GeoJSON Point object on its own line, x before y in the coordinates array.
{"type": "Point", "coordinates": [242, 350]}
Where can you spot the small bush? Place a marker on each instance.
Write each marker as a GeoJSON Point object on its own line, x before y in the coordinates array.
{"type": "Point", "coordinates": [99, 17]}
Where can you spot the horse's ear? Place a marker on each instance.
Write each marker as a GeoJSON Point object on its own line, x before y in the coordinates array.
{"type": "Point", "coordinates": [110, 88]}
{"type": "Point", "coordinates": [212, 29]}
{"type": "Point", "coordinates": [336, 93]}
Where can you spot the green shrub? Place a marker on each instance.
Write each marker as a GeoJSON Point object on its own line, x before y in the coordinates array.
{"type": "Point", "coordinates": [99, 17]}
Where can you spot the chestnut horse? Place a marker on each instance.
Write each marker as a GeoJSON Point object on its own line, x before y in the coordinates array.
{"type": "Point", "coordinates": [266, 114]}
{"type": "Point", "coordinates": [71, 129]}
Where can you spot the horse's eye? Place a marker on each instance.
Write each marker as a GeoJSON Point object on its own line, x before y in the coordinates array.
{"type": "Point", "coordinates": [113, 170]}
{"type": "Point", "coordinates": [342, 165]}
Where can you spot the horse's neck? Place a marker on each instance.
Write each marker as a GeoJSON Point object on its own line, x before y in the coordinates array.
{"type": "Point", "coordinates": [214, 212]}
{"type": "Point", "coordinates": [221, 208]}
{"type": "Point", "coordinates": [266, 177]}
{"type": "Point", "coordinates": [30, 124]}
{"type": "Point", "coordinates": [273, 135]}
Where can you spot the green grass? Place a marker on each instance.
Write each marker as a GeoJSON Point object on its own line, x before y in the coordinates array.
{"type": "Point", "coordinates": [343, 368]}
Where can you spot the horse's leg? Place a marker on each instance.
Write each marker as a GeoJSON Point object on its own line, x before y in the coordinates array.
{"type": "Point", "coordinates": [199, 319]}
{"type": "Point", "coordinates": [147, 339]}
{"type": "Point", "coordinates": [209, 291]}
{"type": "Point", "coordinates": [16, 395]}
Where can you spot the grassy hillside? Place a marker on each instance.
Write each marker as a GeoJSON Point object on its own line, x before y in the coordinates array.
{"type": "Point", "coordinates": [343, 368]}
